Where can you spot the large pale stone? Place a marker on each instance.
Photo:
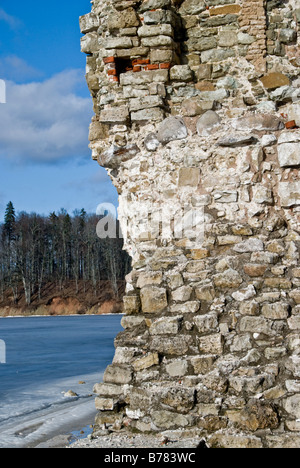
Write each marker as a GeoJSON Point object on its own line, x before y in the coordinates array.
{"type": "Point", "coordinates": [151, 359]}
{"type": "Point", "coordinates": [172, 128]}
{"type": "Point", "coordinates": [208, 123]}
{"type": "Point", "coordinates": [228, 279]}
{"type": "Point", "coordinates": [277, 311]}
{"type": "Point", "coordinates": [211, 344]}
{"type": "Point", "coordinates": [289, 154]}
{"type": "Point", "coordinates": [259, 122]}
{"type": "Point", "coordinates": [118, 374]}
{"type": "Point", "coordinates": [165, 326]}
{"type": "Point", "coordinates": [153, 299]}
{"type": "Point", "coordinates": [289, 193]}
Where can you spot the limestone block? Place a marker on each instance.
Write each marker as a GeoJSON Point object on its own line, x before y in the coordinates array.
{"type": "Point", "coordinates": [181, 73]}
{"type": "Point", "coordinates": [233, 141]}
{"type": "Point", "coordinates": [262, 194]}
{"type": "Point", "coordinates": [131, 304]}
{"type": "Point", "coordinates": [182, 294]}
{"type": "Point", "coordinates": [175, 345]}
{"type": "Point", "coordinates": [151, 359]}
{"type": "Point", "coordinates": [118, 374]}
{"type": "Point", "coordinates": [211, 344]}
{"type": "Point", "coordinates": [257, 325]}
{"type": "Point", "coordinates": [154, 5]}
{"type": "Point", "coordinates": [153, 114]}
{"type": "Point", "coordinates": [109, 390]}
{"type": "Point", "coordinates": [89, 43]}
{"type": "Point", "coordinates": [167, 419]}
{"type": "Point", "coordinates": [177, 368]}
{"type": "Point", "coordinates": [289, 193]}
{"type": "Point", "coordinates": [207, 322]}
{"type": "Point", "coordinates": [228, 279]}
{"type": "Point", "coordinates": [228, 38]}
{"type": "Point", "coordinates": [115, 115]}
{"type": "Point", "coordinates": [259, 122]}
{"type": "Point", "coordinates": [277, 311]}
{"type": "Point", "coordinates": [146, 77]}
{"type": "Point", "coordinates": [104, 404]}
{"type": "Point", "coordinates": [146, 102]}
{"type": "Point", "coordinates": [131, 321]}
{"type": "Point", "coordinates": [203, 364]}
{"type": "Point", "coordinates": [192, 7]}
{"type": "Point", "coordinates": [153, 299]}
{"type": "Point", "coordinates": [292, 406]}
{"type": "Point", "coordinates": [88, 23]}
{"type": "Point", "coordinates": [165, 326]}
{"type": "Point", "coordinates": [249, 245]}
{"type": "Point", "coordinates": [289, 149]}
{"type": "Point", "coordinates": [149, 31]}
{"type": "Point", "coordinates": [216, 55]}
{"type": "Point", "coordinates": [158, 41]}
{"type": "Point", "coordinates": [125, 19]}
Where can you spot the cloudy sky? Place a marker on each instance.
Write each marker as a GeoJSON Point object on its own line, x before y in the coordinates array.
{"type": "Point", "coordinates": [45, 162]}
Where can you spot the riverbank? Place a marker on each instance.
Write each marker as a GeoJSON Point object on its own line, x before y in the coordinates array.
{"type": "Point", "coordinates": [68, 299]}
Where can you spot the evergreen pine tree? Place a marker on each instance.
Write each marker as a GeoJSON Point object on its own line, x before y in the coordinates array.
{"type": "Point", "coordinates": [9, 222]}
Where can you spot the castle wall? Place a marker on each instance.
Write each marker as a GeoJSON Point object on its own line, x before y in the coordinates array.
{"type": "Point", "coordinates": [196, 113]}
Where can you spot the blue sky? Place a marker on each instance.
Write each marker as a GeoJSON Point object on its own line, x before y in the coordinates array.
{"type": "Point", "coordinates": [45, 162]}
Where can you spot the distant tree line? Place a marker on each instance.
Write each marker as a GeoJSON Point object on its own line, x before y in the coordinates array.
{"type": "Point", "coordinates": [35, 250]}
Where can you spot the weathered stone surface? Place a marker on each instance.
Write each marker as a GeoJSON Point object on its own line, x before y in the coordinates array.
{"type": "Point", "coordinates": [115, 155]}
{"type": "Point", "coordinates": [151, 142]}
{"type": "Point", "coordinates": [235, 441]}
{"type": "Point", "coordinates": [145, 362]}
{"type": "Point", "coordinates": [165, 326]}
{"type": "Point", "coordinates": [228, 279]}
{"type": "Point", "coordinates": [208, 123]}
{"type": "Point", "coordinates": [237, 140]}
{"type": "Point", "coordinates": [211, 344]}
{"type": "Point", "coordinates": [115, 115]}
{"type": "Point", "coordinates": [289, 193]}
{"type": "Point", "coordinates": [153, 299]}
{"type": "Point", "coordinates": [172, 128]}
{"type": "Point", "coordinates": [277, 311]}
{"type": "Point", "coordinates": [259, 122]}
{"type": "Point", "coordinates": [118, 374]}
{"type": "Point", "coordinates": [211, 332]}
{"type": "Point", "coordinates": [289, 149]}
{"type": "Point", "coordinates": [168, 419]}
{"type": "Point", "coordinates": [275, 80]}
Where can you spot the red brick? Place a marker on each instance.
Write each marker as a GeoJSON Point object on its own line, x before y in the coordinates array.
{"type": "Point", "coordinates": [137, 68]}
{"type": "Point", "coordinates": [140, 62]}
{"type": "Point", "coordinates": [290, 124]}
{"type": "Point", "coordinates": [152, 67]}
{"type": "Point", "coordinates": [109, 60]}
{"type": "Point", "coordinates": [111, 72]}
{"type": "Point", "coordinates": [114, 78]}
{"type": "Point", "coordinates": [165, 65]}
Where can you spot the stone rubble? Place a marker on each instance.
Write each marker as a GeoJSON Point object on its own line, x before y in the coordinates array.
{"type": "Point", "coordinates": [196, 111]}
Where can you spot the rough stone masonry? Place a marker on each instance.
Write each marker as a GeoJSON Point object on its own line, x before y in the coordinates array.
{"type": "Point", "coordinates": [197, 109]}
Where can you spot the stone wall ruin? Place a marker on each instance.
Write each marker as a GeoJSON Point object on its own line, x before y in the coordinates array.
{"type": "Point", "coordinates": [197, 109]}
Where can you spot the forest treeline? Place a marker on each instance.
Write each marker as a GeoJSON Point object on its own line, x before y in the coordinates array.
{"type": "Point", "coordinates": [59, 248]}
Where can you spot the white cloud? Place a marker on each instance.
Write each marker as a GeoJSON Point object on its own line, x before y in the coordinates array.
{"type": "Point", "coordinates": [45, 121]}
{"type": "Point", "coordinates": [12, 21]}
{"type": "Point", "coordinates": [14, 68]}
